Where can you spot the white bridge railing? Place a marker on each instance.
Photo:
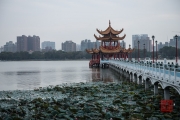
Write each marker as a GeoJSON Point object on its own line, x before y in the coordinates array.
{"type": "Point", "coordinates": [168, 73]}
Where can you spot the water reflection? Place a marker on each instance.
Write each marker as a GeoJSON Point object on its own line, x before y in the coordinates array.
{"type": "Point", "coordinates": [34, 74]}
{"type": "Point", "coordinates": [27, 72]}
{"type": "Point", "coordinates": [96, 75]}
{"type": "Point", "coordinates": [104, 75]}
{"type": "Point", "coordinates": [28, 79]}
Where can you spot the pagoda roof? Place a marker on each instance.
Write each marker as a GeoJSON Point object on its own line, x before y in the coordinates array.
{"type": "Point", "coordinates": [109, 34]}
{"type": "Point", "coordinates": [95, 50]}
{"type": "Point", "coordinates": [110, 38]}
{"type": "Point", "coordinates": [106, 50]}
{"type": "Point", "coordinates": [129, 50]}
{"type": "Point", "coordinates": [89, 51]}
{"type": "Point", "coordinates": [109, 30]}
{"type": "Point", "coordinates": [92, 51]}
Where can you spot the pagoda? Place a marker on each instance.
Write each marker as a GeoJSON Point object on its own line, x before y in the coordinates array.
{"type": "Point", "coordinates": [110, 46]}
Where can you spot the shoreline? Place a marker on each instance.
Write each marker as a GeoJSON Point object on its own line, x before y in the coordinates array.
{"type": "Point", "coordinates": [43, 60]}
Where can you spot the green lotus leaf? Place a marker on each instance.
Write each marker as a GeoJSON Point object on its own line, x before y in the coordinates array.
{"type": "Point", "coordinates": [54, 112]}
{"type": "Point", "coordinates": [67, 117]}
{"type": "Point", "coordinates": [137, 116]}
{"type": "Point", "coordinates": [167, 116]}
{"type": "Point", "coordinates": [108, 115]}
{"type": "Point", "coordinates": [62, 110]}
{"type": "Point", "coordinates": [154, 118]}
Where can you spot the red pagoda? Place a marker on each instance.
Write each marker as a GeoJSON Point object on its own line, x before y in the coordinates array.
{"type": "Point", "coordinates": [110, 46]}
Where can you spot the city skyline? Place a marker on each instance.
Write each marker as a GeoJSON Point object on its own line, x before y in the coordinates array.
{"type": "Point", "coordinates": [77, 20]}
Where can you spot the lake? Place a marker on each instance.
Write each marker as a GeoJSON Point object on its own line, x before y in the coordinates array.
{"type": "Point", "coordinates": [25, 75]}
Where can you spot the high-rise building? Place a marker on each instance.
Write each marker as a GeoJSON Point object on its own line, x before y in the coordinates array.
{"type": "Point", "coordinates": [123, 44]}
{"type": "Point", "coordinates": [143, 39]}
{"type": "Point", "coordinates": [33, 43]}
{"type": "Point", "coordinates": [78, 47]}
{"type": "Point", "coordinates": [22, 43]}
{"type": "Point", "coordinates": [48, 44]}
{"type": "Point", "coordinates": [95, 45]}
{"type": "Point", "coordinates": [29, 43]}
{"type": "Point", "coordinates": [160, 45]}
{"type": "Point", "coordinates": [10, 47]}
{"type": "Point", "coordinates": [172, 42]}
{"type": "Point", "coordinates": [87, 44]}
{"type": "Point", "coordinates": [1, 49]}
{"type": "Point", "coordinates": [69, 46]}
{"type": "Point", "coordinates": [166, 44]}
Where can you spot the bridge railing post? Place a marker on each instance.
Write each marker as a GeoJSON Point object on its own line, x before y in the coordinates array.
{"type": "Point", "coordinates": [163, 71]}
{"type": "Point", "coordinates": [160, 70]}
{"type": "Point", "coordinates": [134, 65]}
{"type": "Point", "coordinates": [139, 66]}
{"type": "Point", "coordinates": [148, 67]}
{"type": "Point", "coordinates": [152, 68]}
{"type": "Point", "coordinates": [143, 67]}
{"type": "Point", "coordinates": [174, 73]}
{"type": "Point", "coordinates": [169, 73]}
{"type": "Point", "coordinates": [155, 69]}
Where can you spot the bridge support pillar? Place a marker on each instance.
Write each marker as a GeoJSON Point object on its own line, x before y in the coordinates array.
{"type": "Point", "coordinates": [146, 84]}
{"type": "Point", "coordinates": [155, 88]}
{"type": "Point", "coordinates": [166, 93]}
{"type": "Point", "coordinates": [130, 77]}
{"type": "Point", "coordinates": [139, 80]}
{"type": "Point", "coordinates": [135, 79]}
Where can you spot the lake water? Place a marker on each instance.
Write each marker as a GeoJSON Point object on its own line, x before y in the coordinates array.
{"type": "Point", "coordinates": [23, 75]}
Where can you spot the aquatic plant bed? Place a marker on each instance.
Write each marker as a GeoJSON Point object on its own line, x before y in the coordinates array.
{"type": "Point", "coordinates": [126, 101]}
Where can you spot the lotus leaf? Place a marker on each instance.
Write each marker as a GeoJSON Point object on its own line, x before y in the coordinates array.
{"type": "Point", "coordinates": [84, 101]}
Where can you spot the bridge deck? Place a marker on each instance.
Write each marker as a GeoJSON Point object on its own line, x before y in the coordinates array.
{"type": "Point", "coordinates": [169, 75]}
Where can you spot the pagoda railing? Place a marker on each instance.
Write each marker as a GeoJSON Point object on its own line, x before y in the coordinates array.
{"type": "Point", "coordinates": [94, 61]}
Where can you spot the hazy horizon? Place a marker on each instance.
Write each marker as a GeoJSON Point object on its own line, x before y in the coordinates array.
{"type": "Point", "coordinates": [61, 20]}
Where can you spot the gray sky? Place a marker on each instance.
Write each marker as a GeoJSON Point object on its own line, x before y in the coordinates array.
{"type": "Point", "coordinates": [76, 20]}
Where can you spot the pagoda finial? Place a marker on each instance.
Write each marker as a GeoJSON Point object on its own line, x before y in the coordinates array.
{"type": "Point", "coordinates": [109, 23]}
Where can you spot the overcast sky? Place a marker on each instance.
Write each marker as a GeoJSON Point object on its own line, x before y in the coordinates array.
{"type": "Point", "coordinates": [76, 20]}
